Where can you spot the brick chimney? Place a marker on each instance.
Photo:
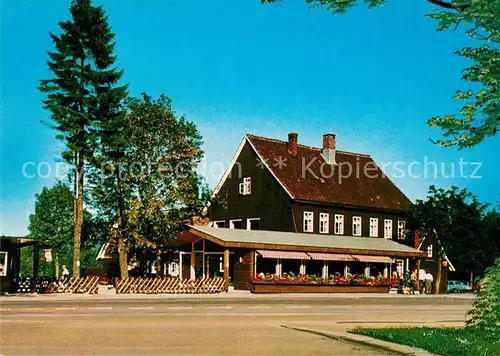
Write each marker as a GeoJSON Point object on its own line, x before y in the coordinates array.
{"type": "Point", "coordinates": [329, 142]}
{"type": "Point", "coordinates": [329, 146]}
{"type": "Point", "coordinates": [292, 143]}
{"type": "Point", "coordinates": [418, 239]}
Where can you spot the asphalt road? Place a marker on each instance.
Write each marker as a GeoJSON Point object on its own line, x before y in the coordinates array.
{"type": "Point", "coordinates": [208, 326]}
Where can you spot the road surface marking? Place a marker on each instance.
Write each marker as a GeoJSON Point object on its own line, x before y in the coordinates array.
{"type": "Point", "coordinates": [141, 308]}
{"type": "Point", "coordinates": [65, 308]}
{"type": "Point", "coordinates": [100, 308]}
{"type": "Point", "coordinates": [180, 308]}
{"type": "Point", "coordinates": [257, 307]}
{"type": "Point", "coordinates": [31, 309]}
{"type": "Point", "coordinates": [4, 309]}
{"type": "Point", "coordinates": [297, 306]}
{"type": "Point", "coordinates": [222, 307]}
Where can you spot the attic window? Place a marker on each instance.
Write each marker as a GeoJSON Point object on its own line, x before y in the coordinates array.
{"type": "Point", "coordinates": [245, 188]}
{"type": "Point", "coordinates": [429, 251]}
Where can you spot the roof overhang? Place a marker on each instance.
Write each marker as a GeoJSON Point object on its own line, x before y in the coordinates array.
{"type": "Point", "coordinates": [24, 241]}
{"type": "Point", "coordinates": [195, 233]}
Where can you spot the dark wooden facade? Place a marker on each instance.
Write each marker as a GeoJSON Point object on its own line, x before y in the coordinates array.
{"type": "Point", "coordinates": [267, 201]}
{"type": "Point", "coordinates": [243, 269]}
{"type": "Point", "coordinates": [9, 246]}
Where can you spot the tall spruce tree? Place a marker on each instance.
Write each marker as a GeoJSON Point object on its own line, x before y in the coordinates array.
{"type": "Point", "coordinates": [82, 94]}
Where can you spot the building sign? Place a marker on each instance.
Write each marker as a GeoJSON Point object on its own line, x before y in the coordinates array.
{"type": "Point", "coordinates": [3, 263]}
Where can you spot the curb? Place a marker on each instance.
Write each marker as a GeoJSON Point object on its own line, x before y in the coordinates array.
{"type": "Point", "coordinates": [367, 341]}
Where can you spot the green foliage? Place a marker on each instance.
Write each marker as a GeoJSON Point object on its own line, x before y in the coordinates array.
{"type": "Point", "coordinates": [479, 116]}
{"type": "Point", "coordinates": [337, 6]}
{"type": "Point", "coordinates": [441, 341]}
{"type": "Point", "coordinates": [160, 187]}
{"type": "Point", "coordinates": [469, 236]}
{"type": "Point", "coordinates": [485, 312]}
{"type": "Point", "coordinates": [81, 93]}
{"type": "Point", "coordinates": [164, 153]}
{"type": "Point", "coordinates": [52, 220]}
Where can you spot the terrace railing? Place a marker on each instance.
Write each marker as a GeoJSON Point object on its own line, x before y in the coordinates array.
{"type": "Point", "coordinates": [75, 285]}
{"type": "Point", "coordinates": [32, 285]}
{"type": "Point", "coordinates": [133, 285]}
{"type": "Point", "coordinates": [170, 285]}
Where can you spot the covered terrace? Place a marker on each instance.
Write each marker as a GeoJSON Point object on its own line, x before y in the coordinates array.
{"type": "Point", "coordinates": [245, 254]}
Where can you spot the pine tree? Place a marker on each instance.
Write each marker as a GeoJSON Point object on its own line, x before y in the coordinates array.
{"type": "Point", "coordinates": [82, 94]}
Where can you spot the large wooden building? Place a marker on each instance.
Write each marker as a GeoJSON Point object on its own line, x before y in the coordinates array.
{"type": "Point", "coordinates": [321, 211]}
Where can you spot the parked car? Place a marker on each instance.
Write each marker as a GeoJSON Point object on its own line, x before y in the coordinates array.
{"type": "Point", "coordinates": [458, 287]}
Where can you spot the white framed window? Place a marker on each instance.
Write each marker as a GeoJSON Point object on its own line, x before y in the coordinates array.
{"type": "Point", "coordinates": [236, 224]}
{"type": "Point", "coordinates": [3, 263]}
{"type": "Point", "coordinates": [356, 225]}
{"type": "Point", "coordinates": [245, 188]}
{"type": "Point", "coordinates": [253, 224]}
{"type": "Point", "coordinates": [388, 228]}
{"type": "Point", "coordinates": [324, 222]}
{"type": "Point", "coordinates": [308, 221]}
{"type": "Point", "coordinates": [429, 251]}
{"type": "Point", "coordinates": [401, 229]}
{"type": "Point", "coordinates": [220, 223]}
{"type": "Point", "coordinates": [339, 224]}
{"type": "Point", "coordinates": [373, 227]}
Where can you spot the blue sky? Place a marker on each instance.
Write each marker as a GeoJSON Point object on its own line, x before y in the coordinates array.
{"type": "Point", "coordinates": [373, 77]}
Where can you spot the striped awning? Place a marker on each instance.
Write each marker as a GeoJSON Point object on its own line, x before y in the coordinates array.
{"type": "Point", "coordinates": [286, 255]}
{"type": "Point", "coordinates": [330, 256]}
{"type": "Point", "coordinates": [373, 259]}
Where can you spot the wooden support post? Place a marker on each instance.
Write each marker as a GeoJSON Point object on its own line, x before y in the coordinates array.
{"type": "Point", "coordinates": [192, 274]}
{"type": "Point", "coordinates": [302, 267]}
{"type": "Point", "coordinates": [36, 258]}
{"type": "Point", "coordinates": [346, 270]}
{"type": "Point", "coordinates": [418, 274]}
{"type": "Point", "coordinates": [226, 268]}
{"type": "Point", "coordinates": [180, 265]}
{"type": "Point", "coordinates": [437, 278]}
{"type": "Point", "coordinates": [255, 263]}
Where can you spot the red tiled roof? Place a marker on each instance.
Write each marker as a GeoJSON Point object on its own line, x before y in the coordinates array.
{"type": "Point", "coordinates": [366, 186]}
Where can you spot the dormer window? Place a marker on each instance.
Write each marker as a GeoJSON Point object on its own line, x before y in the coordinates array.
{"type": "Point", "coordinates": [245, 188]}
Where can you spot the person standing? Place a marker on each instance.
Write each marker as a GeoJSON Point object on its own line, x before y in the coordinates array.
{"type": "Point", "coordinates": [64, 274]}
{"type": "Point", "coordinates": [428, 282]}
